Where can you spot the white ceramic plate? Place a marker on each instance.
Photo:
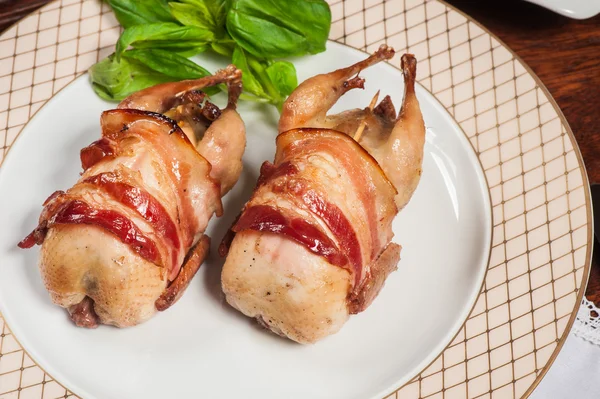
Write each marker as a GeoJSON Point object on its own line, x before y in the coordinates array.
{"type": "Point", "coordinates": [577, 9]}
{"type": "Point", "coordinates": [203, 348]}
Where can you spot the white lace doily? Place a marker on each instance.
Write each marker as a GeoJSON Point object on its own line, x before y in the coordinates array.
{"type": "Point", "coordinates": [587, 324]}
{"type": "Point", "coordinates": [575, 372]}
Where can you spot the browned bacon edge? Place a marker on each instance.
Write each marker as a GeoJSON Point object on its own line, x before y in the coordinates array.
{"type": "Point", "coordinates": [191, 265]}
{"type": "Point", "coordinates": [387, 262]}
{"type": "Point", "coordinates": [104, 147]}
{"type": "Point", "coordinates": [73, 211]}
{"type": "Point", "coordinates": [95, 152]}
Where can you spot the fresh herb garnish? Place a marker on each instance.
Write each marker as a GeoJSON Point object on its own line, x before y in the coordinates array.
{"type": "Point", "coordinates": [135, 12]}
{"type": "Point", "coordinates": [279, 28]}
{"type": "Point", "coordinates": [159, 37]}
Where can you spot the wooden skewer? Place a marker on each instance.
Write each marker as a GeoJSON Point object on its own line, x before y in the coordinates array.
{"type": "Point", "coordinates": [363, 123]}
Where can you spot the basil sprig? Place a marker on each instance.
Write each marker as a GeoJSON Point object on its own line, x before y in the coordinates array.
{"type": "Point", "coordinates": [159, 36]}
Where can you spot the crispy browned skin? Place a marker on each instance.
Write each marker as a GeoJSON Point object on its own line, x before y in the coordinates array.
{"type": "Point", "coordinates": [189, 269]}
{"type": "Point", "coordinates": [379, 272]}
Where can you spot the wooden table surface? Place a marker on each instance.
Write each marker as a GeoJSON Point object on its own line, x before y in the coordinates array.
{"type": "Point", "coordinates": [563, 52]}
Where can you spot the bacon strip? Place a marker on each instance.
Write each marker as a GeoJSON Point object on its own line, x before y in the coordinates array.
{"type": "Point", "coordinates": [315, 202]}
{"type": "Point", "coordinates": [95, 152]}
{"type": "Point", "coordinates": [188, 171]}
{"type": "Point", "coordinates": [268, 219]}
{"type": "Point", "coordinates": [79, 212]}
{"type": "Point", "coordinates": [368, 179]}
{"type": "Point", "coordinates": [308, 165]}
{"type": "Point", "coordinates": [146, 206]}
{"type": "Point", "coordinates": [115, 122]}
{"type": "Point", "coordinates": [269, 172]}
{"type": "Point", "coordinates": [339, 225]}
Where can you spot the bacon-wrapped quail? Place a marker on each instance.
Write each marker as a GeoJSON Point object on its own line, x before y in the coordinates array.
{"type": "Point", "coordinates": [313, 244]}
{"type": "Point", "coordinates": [127, 238]}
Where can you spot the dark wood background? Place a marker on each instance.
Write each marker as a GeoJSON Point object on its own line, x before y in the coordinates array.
{"type": "Point", "coordinates": [563, 52]}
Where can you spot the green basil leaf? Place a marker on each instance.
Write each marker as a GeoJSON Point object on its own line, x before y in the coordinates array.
{"type": "Point", "coordinates": [184, 49]}
{"type": "Point", "coordinates": [114, 80]}
{"type": "Point", "coordinates": [142, 78]}
{"type": "Point", "coordinates": [223, 47]}
{"type": "Point", "coordinates": [110, 76]}
{"type": "Point", "coordinates": [215, 9]}
{"type": "Point", "coordinates": [168, 63]}
{"type": "Point", "coordinates": [138, 69]}
{"type": "Point", "coordinates": [283, 76]}
{"type": "Point", "coordinates": [250, 82]}
{"type": "Point", "coordinates": [189, 15]}
{"type": "Point", "coordinates": [165, 36]}
{"type": "Point", "coordinates": [132, 12]}
{"type": "Point", "coordinates": [277, 28]}
{"type": "Point", "coordinates": [251, 97]}
{"type": "Point", "coordinates": [207, 14]}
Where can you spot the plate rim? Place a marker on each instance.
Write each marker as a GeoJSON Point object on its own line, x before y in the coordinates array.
{"type": "Point", "coordinates": [582, 168]}
{"type": "Point", "coordinates": [586, 188]}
